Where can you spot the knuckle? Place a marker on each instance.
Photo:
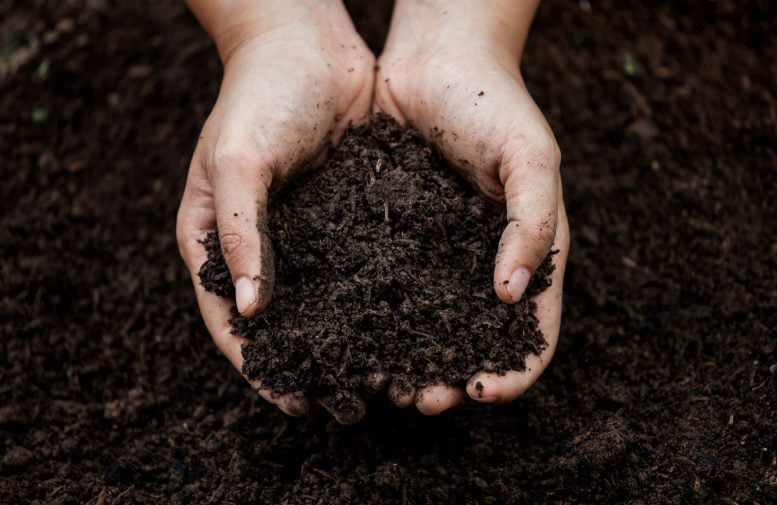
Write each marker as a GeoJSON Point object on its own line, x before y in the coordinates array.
{"type": "Point", "coordinates": [231, 156]}
{"type": "Point", "coordinates": [545, 229]}
{"type": "Point", "coordinates": [544, 152]}
{"type": "Point", "coordinates": [538, 156]}
{"type": "Point", "coordinates": [231, 244]}
{"type": "Point", "coordinates": [542, 236]}
{"type": "Point", "coordinates": [538, 151]}
{"type": "Point", "coordinates": [488, 186]}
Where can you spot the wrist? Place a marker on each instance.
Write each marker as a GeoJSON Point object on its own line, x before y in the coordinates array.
{"type": "Point", "coordinates": [500, 25]}
{"type": "Point", "coordinates": [235, 23]}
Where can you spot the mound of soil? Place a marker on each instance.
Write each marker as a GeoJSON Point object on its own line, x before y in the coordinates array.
{"type": "Point", "coordinates": [384, 265]}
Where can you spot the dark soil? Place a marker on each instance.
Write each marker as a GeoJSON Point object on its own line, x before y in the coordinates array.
{"type": "Point", "coordinates": [384, 266]}
{"type": "Point", "coordinates": [663, 386]}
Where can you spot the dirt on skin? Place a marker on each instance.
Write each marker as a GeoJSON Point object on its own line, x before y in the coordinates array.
{"type": "Point", "coordinates": [662, 388]}
{"type": "Point", "coordinates": [384, 262]}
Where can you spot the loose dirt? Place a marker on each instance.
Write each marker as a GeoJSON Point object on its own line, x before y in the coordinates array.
{"type": "Point", "coordinates": [384, 266]}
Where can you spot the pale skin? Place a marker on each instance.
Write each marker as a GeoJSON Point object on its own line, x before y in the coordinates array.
{"type": "Point", "coordinates": [297, 73]}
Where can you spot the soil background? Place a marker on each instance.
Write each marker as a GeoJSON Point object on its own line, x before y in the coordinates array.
{"type": "Point", "coordinates": [663, 386]}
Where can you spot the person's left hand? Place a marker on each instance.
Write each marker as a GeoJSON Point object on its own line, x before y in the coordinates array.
{"type": "Point", "coordinates": [452, 75]}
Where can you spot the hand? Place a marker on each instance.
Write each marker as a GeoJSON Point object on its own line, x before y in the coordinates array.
{"type": "Point", "coordinates": [451, 69]}
{"type": "Point", "coordinates": [295, 76]}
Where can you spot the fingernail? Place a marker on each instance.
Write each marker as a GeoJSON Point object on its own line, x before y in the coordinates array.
{"type": "Point", "coordinates": [245, 293]}
{"type": "Point", "coordinates": [518, 282]}
{"type": "Point", "coordinates": [476, 393]}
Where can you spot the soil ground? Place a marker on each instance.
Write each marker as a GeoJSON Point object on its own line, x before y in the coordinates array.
{"type": "Point", "coordinates": [663, 386]}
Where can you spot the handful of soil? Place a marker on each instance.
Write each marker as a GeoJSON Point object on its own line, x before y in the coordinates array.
{"type": "Point", "coordinates": [384, 263]}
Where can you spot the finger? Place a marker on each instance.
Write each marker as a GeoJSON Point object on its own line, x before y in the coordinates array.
{"type": "Point", "coordinates": [240, 194]}
{"type": "Point", "coordinates": [293, 404]}
{"type": "Point", "coordinates": [486, 387]}
{"type": "Point", "coordinates": [216, 312]}
{"type": "Point", "coordinates": [376, 382]}
{"type": "Point", "coordinates": [195, 220]}
{"type": "Point", "coordinates": [401, 393]}
{"type": "Point", "coordinates": [530, 178]}
{"type": "Point", "coordinates": [345, 407]}
{"type": "Point", "coordinates": [433, 400]}
{"type": "Point", "coordinates": [492, 388]}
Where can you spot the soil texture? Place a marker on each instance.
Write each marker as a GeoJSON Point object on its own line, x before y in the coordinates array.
{"type": "Point", "coordinates": [663, 385]}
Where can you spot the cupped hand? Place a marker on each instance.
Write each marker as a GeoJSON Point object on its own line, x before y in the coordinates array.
{"type": "Point", "coordinates": [290, 88]}
{"type": "Point", "coordinates": [454, 75]}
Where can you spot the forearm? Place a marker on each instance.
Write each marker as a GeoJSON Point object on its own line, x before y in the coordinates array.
{"type": "Point", "coordinates": [502, 23]}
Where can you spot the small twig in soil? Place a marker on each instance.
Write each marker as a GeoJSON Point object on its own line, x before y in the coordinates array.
{"type": "Point", "coordinates": [447, 323]}
{"type": "Point", "coordinates": [102, 496]}
{"type": "Point", "coordinates": [346, 358]}
{"type": "Point", "coordinates": [123, 494]}
{"type": "Point", "coordinates": [372, 173]}
{"type": "Point", "coordinates": [323, 473]}
{"type": "Point", "coordinates": [420, 334]}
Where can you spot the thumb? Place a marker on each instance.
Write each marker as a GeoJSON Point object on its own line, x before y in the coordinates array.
{"type": "Point", "coordinates": [530, 177]}
{"type": "Point", "coordinates": [240, 195]}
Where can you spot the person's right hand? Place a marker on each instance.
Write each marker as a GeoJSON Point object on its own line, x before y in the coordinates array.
{"type": "Point", "coordinates": [295, 75]}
